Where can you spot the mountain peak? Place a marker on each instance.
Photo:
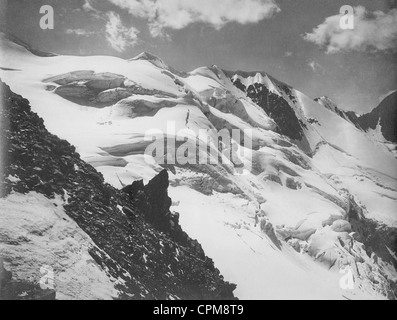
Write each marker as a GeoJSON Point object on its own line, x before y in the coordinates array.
{"type": "Point", "coordinates": [148, 56]}
{"type": "Point", "coordinates": [145, 55]}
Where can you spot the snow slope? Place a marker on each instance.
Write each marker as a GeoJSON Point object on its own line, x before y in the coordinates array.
{"type": "Point", "coordinates": [271, 230]}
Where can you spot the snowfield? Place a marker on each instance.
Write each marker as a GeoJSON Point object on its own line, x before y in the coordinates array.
{"type": "Point", "coordinates": [278, 232]}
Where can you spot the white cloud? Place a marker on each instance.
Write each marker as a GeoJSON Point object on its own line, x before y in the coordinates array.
{"type": "Point", "coordinates": [372, 31]}
{"type": "Point", "coordinates": [87, 6]}
{"type": "Point", "coordinates": [315, 66]}
{"type": "Point", "coordinates": [178, 14]}
{"type": "Point", "coordinates": [119, 36]}
{"type": "Point", "coordinates": [80, 32]}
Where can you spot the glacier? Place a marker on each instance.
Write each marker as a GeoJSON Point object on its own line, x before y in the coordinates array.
{"type": "Point", "coordinates": [318, 189]}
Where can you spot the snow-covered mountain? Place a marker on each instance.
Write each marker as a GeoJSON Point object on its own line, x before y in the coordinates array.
{"type": "Point", "coordinates": [320, 194]}
{"type": "Point", "coordinates": [379, 124]}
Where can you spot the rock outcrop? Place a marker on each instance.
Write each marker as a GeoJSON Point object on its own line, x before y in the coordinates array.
{"type": "Point", "coordinates": [384, 115]}
{"type": "Point", "coordinates": [276, 107]}
{"type": "Point", "coordinates": [153, 204]}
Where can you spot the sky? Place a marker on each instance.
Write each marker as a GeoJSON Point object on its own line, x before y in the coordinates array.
{"type": "Point", "coordinates": [299, 42]}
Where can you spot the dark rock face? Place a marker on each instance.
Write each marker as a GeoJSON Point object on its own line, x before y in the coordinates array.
{"type": "Point", "coordinates": [153, 204]}
{"type": "Point", "coordinates": [386, 115]}
{"type": "Point", "coordinates": [352, 117]}
{"type": "Point", "coordinates": [134, 230]}
{"type": "Point", "coordinates": [152, 200]}
{"type": "Point", "coordinates": [378, 238]}
{"type": "Point", "coordinates": [276, 107]}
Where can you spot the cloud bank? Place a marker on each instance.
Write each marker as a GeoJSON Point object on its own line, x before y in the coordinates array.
{"type": "Point", "coordinates": [162, 15]}
{"type": "Point", "coordinates": [372, 31]}
{"type": "Point", "coordinates": [178, 14]}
